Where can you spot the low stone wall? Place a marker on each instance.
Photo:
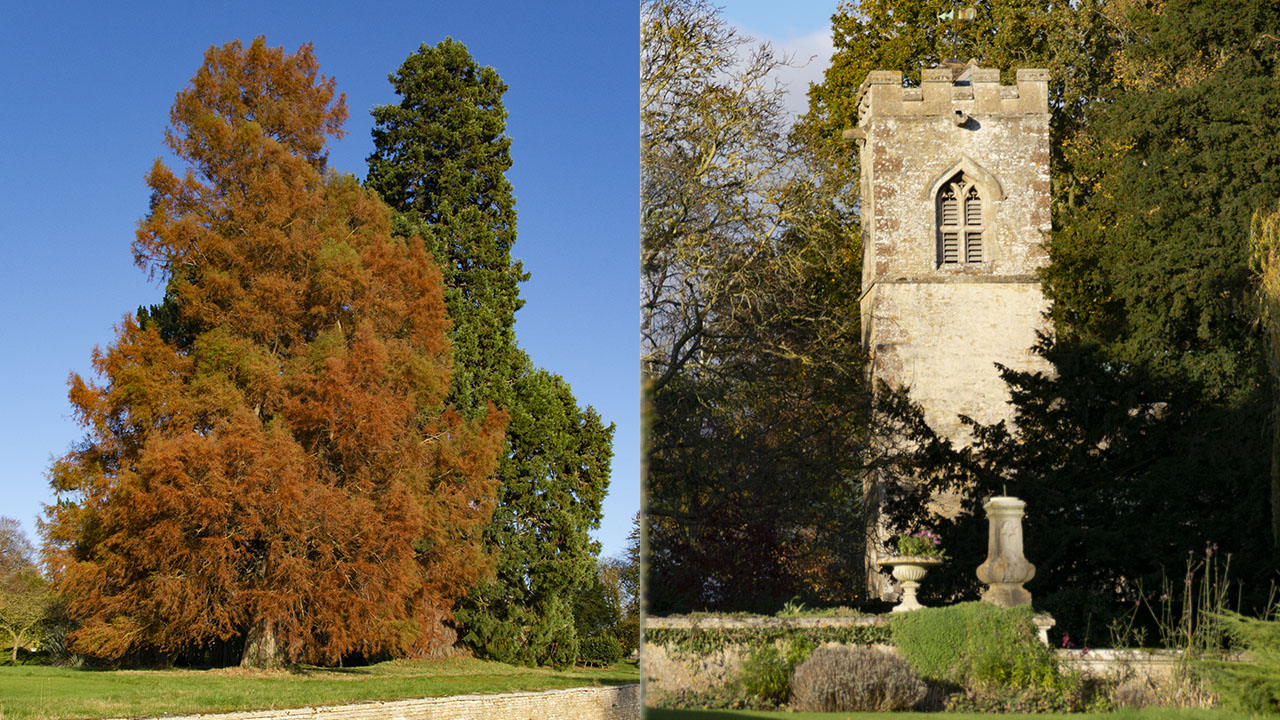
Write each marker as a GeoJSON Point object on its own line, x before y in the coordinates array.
{"type": "Point", "coordinates": [666, 669]}
{"type": "Point", "coordinates": [1154, 665]}
{"type": "Point", "coordinates": [593, 703]}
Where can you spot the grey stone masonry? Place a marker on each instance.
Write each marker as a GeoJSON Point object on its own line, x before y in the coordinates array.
{"type": "Point", "coordinates": [955, 212]}
{"type": "Point", "coordinates": [589, 703]}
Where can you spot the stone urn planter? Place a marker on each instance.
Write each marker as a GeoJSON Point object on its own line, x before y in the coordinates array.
{"type": "Point", "coordinates": [909, 571]}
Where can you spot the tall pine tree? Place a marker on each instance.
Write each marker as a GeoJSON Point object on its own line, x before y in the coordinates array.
{"type": "Point", "coordinates": [439, 160]}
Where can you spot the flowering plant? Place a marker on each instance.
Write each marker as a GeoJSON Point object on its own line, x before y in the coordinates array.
{"type": "Point", "coordinates": [921, 543]}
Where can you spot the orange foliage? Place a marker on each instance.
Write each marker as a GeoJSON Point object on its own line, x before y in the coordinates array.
{"type": "Point", "coordinates": [276, 454]}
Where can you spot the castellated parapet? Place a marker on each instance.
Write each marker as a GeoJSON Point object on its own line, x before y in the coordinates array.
{"type": "Point", "coordinates": [955, 213]}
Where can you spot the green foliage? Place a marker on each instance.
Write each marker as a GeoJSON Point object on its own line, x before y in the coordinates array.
{"type": "Point", "coordinates": [1154, 266]}
{"type": "Point", "coordinates": [26, 602]}
{"type": "Point", "coordinates": [1252, 684]}
{"type": "Point", "coordinates": [750, 343]}
{"type": "Point", "coordinates": [994, 656]}
{"type": "Point", "coordinates": [766, 674]}
{"type": "Point", "coordinates": [440, 158]}
{"type": "Point", "coordinates": [841, 678]}
{"type": "Point", "coordinates": [1150, 277]}
{"type": "Point", "coordinates": [1067, 696]}
{"type": "Point", "coordinates": [696, 642]}
{"type": "Point", "coordinates": [519, 635]}
{"type": "Point", "coordinates": [600, 650]}
{"type": "Point", "coordinates": [973, 643]}
{"type": "Point", "coordinates": [1135, 472]}
{"type": "Point", "coordinates": [921, 543]}
{"type": "Point", "coordinates": [721, 697]}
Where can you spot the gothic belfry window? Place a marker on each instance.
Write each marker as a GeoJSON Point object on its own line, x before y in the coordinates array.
{"type": "Point", "coordinates": [960, 222]}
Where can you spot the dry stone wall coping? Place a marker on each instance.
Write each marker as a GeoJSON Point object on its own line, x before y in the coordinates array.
{"type": "Point", "coordinates": [720, 622]}
{"type": "Point", "coordinates": [621, 702]}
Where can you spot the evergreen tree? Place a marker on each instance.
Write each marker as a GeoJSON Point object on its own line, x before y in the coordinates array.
{"type": "Point", "coordinates": [439, 160]}
{"type": "Point", "coordinates": [269, 460]}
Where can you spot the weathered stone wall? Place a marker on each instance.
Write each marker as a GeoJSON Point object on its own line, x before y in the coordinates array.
{"type": "Point", "coordinates": [594, 703]}
{"type": "Point", "coordinates": [667, 670]}
{"type": "Point", "coordinates": [1118, 664]}
{"type": "Point", "coordinates": [942, 339]}
{"type": "Point", "coordinates": [940, 329]}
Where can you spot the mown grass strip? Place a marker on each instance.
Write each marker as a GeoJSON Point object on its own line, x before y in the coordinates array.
{"type": "Point", "coordinates": [47, 693]}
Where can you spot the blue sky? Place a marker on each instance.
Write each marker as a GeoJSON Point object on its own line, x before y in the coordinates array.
{"type": "Point", "coordinates": [86, 93]}
{"type": "Point", "coordinates": [799, 30]}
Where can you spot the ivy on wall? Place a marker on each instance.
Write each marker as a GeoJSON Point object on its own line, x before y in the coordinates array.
{"type": "Point", "coordinates": [685, 643]}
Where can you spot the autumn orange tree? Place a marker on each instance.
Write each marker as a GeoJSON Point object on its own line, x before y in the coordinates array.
{"type": "Point", "coordinates": [269, 460]}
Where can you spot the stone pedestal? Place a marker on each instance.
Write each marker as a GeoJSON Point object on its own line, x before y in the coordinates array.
{"type": "Point", "coordinates": [1005, 569]}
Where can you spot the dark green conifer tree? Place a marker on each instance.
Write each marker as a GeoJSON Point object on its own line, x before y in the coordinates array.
{"type": "Point", "coordinates": [439, 160]}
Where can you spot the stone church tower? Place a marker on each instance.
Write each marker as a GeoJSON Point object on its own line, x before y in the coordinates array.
{"type": "Point", "coordinates": [955, 211]}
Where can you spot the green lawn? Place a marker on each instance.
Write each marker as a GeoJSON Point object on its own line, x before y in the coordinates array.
{"type": "Point", "coordinates": [1144, 714]}
{"type": "Point", "coordinates": [47, 693]}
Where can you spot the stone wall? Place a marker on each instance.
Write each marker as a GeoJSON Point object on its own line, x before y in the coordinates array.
{"type": "Point", "coordinates": [667, 670]}
{"type": "Point", "coordinates": [592, 703]}
{"type": "Point", "coordinates": [1152, 665]}
{"type": "Point", "coordinates": [940, 329]}
{"type": "Point", "coordinates": [942, 340]}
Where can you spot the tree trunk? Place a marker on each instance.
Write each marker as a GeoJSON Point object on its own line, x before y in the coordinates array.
{"type": "Point", "coordinates": [260, 647]}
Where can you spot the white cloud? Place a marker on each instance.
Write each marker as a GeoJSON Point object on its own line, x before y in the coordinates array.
{"type": "Point", "coordinates": [810, 57]}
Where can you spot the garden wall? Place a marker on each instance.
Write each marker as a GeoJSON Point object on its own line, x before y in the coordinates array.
{"type": "Point", "coordinates": [700, 652]}
{"type": "Point", "coordinates": [593, 703]}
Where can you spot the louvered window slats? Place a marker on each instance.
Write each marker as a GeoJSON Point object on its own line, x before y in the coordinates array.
{"type": "Point", "coordinates": [960, 224]}
{"type": "Point", "coordinates": [950, 247]}
{"type": "Point", "coordinates": [972, 208]}
{"type": "Point", "coordinates": [950, 208]}
{"type": "Point", "coordinates": [973, 247]}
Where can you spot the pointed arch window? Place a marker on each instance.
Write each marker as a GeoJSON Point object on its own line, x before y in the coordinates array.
{"type": "Point", "coordinates": [960, 222]}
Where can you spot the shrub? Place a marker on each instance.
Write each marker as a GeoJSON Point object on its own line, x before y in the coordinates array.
{"type": "Point", "coordinates": [995, 655]}
{"type": "Point", "coordinates": [600, 650]}
{"type": "Point", "coordinates": [766, 672]}
{"type": "Point", "coordinates": [974, 644]}
{"type": "Point", "coordinates": [843, 678]}
{"type": "Point", "coordinates": [1252, 686]}
{"type": "Point", "coordinates": [765, 675]}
